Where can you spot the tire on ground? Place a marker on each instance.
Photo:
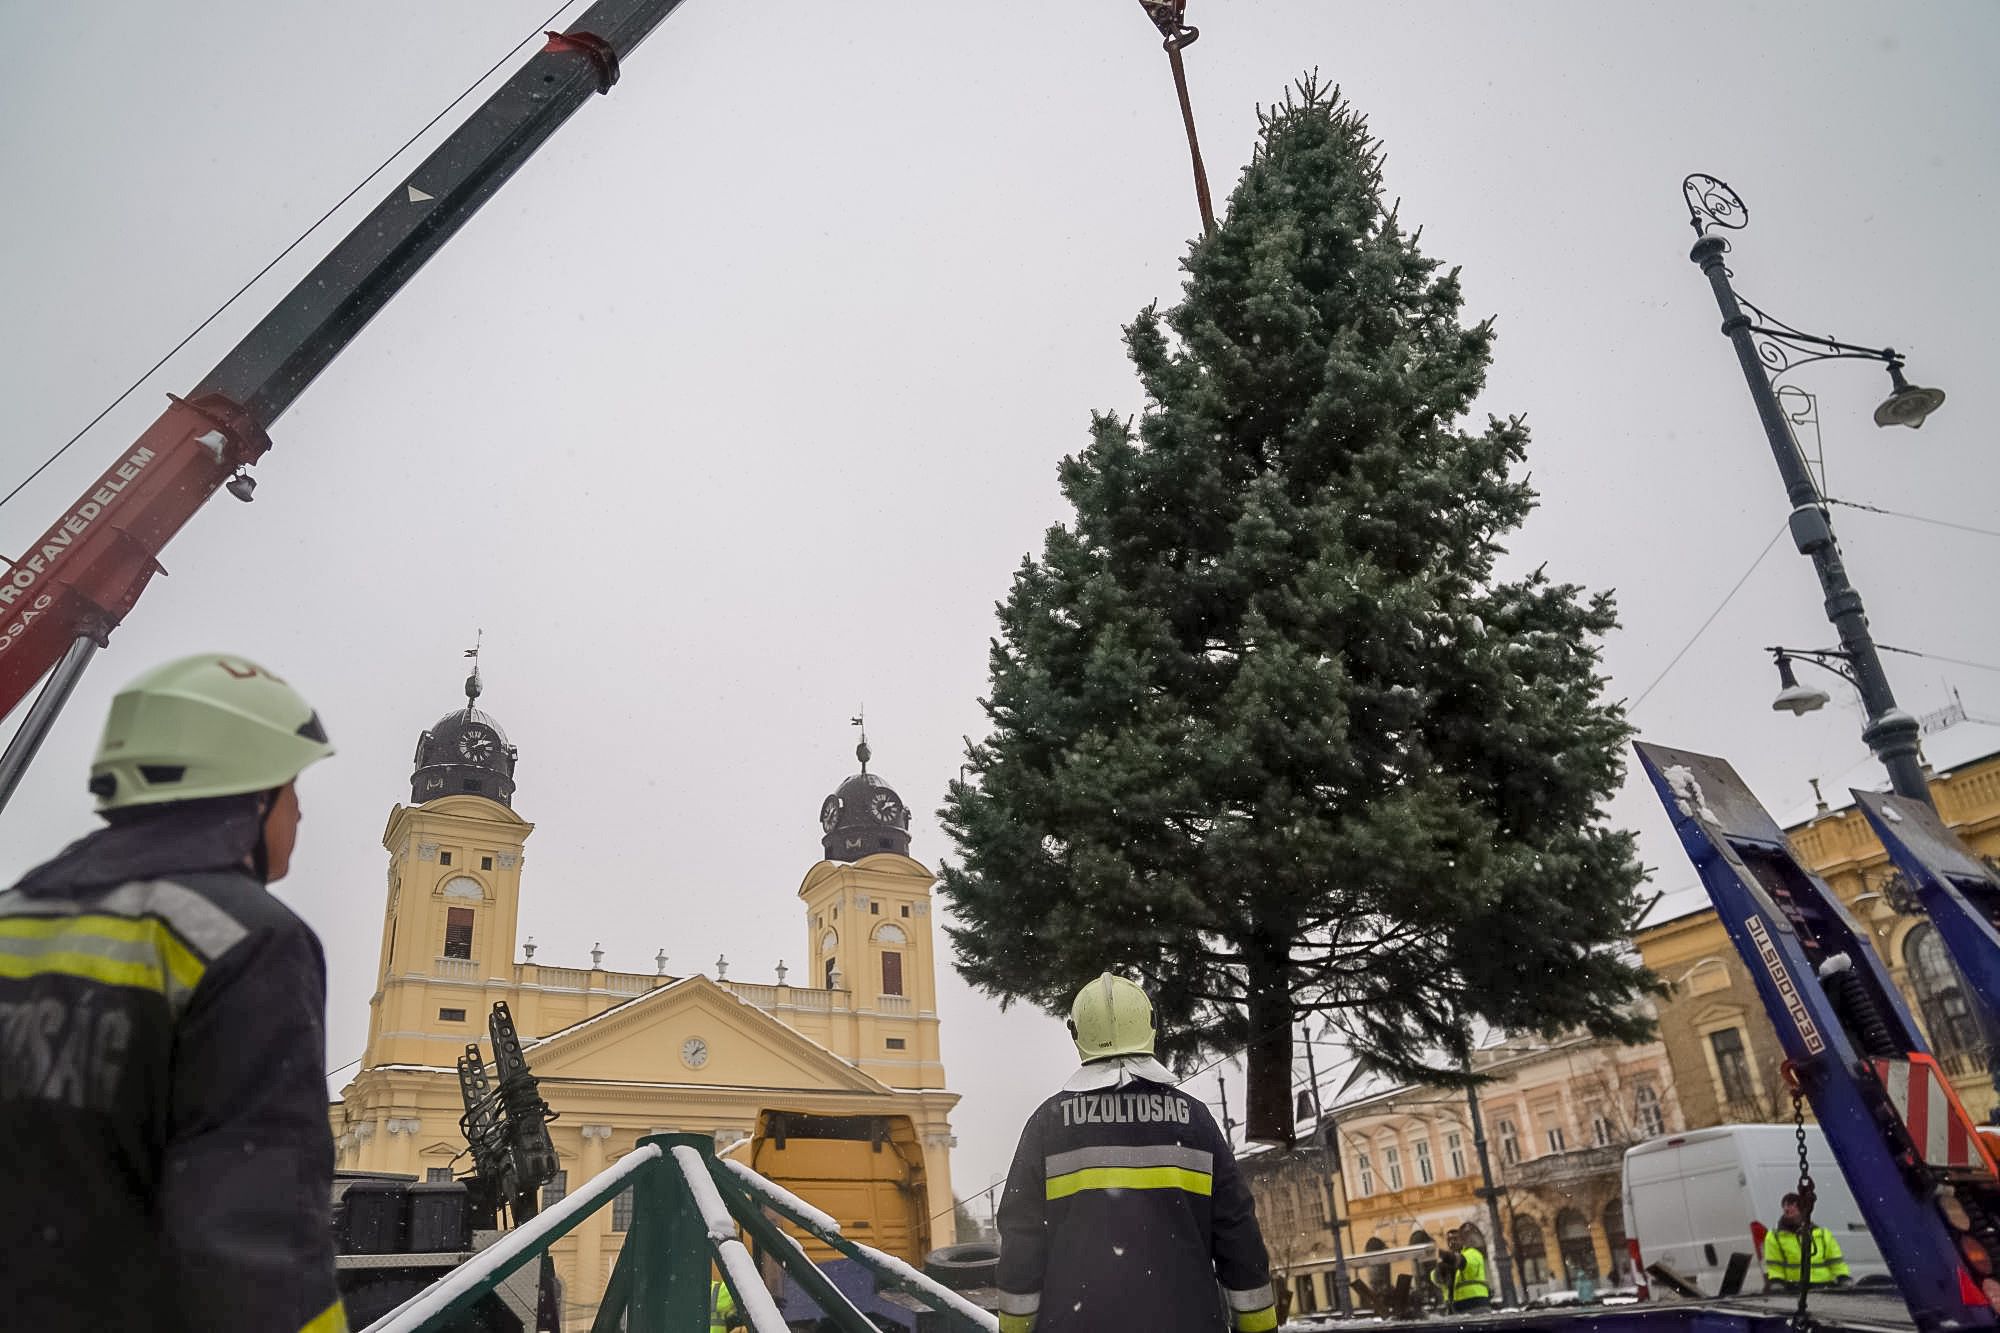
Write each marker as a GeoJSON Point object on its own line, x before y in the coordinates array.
{"type": "Point", "coordinates": [962, 1267]}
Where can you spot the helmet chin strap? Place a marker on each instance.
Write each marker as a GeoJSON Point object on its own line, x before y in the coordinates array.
{"type": "Point", "coordinates": [260, 855]}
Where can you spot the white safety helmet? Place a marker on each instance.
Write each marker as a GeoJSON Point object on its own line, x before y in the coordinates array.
{"type": "Point", "coordinates": [209, 725]}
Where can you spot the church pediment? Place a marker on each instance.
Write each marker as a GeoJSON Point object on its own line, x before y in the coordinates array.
{"type": "Point", "coordinates": [694, 1033]}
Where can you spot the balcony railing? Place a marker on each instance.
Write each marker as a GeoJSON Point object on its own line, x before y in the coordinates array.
{"type": "Point", "coordinates": [894, 1004]}
{"type": "Point", "coordinates": [1565, 1167]}
{"type": "Point", "coordinates": [456, 969]}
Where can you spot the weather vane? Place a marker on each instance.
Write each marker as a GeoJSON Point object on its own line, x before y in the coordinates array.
{"type": "Point", "coordinates": [861, 751]}
{"type": "Point", "coordinates": [472, 685]}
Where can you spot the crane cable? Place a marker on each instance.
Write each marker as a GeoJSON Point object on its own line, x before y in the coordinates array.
{"type": "Point", "coordinates": [1169, 17]}
{"type": "Point", "coordinates": [256, 277]}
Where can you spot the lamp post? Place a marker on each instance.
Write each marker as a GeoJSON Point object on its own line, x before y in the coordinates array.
{"type": "Point", "coordinates": [1766, 347]}
{"type": "Point", "coordinates": [1502, 1261]}
{"type": "Point", "coordinates": [1325, 1131]}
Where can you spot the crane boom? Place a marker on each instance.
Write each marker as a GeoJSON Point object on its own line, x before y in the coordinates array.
{"type": "Point", "coordinates": [88, 569]}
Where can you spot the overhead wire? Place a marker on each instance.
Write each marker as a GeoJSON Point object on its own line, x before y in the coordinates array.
{"type": "Point", "coordinates": [255, 278]}
{"type": "Point", "coordinates": [1914, 518]}
{"type": "Point", "coordinates": [1938, 657]}
{"type": "Point", "coordinates": [1703, 629]}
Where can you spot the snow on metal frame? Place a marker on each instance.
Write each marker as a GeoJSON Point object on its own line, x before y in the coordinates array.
{"type": "Point", "coordinates": [516, 1248]}
{"type": "Point", "coordinates": [804, 1213]}
{"type": "Point", "coordinates": [743, 1276]}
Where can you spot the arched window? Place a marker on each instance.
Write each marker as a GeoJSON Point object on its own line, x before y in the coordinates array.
{"type": "Point", "coordinates": [890, 938]}
{"type": "Point", "coordinates": [829, 966]}
{"type": "Point", "coordinates": [1939, 997]}
{"type": "Point", "coordinates": [1378, 1274]}
{"type": "Point", "coordinates": [1579, 1253]}
{"type": "Point", "coordinates": [1646, 1110]}
{"type": "Point", "coordinates": [458, 932]}
{"type": "Point", "coordinates": [1531, 1252]}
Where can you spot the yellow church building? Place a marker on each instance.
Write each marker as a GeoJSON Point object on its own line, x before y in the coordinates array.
{"type": "Point", "coordinates": [621, 1055]}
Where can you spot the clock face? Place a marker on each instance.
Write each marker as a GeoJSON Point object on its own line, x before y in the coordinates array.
{"type": "Point", "coordinates": [887, 808]}
{"type": "Point", "coordinates": [475, 744]}
{"type": "Point", "coordinates": [694, 1052]}
{"type": "Point", "coordinates": [829, 812]}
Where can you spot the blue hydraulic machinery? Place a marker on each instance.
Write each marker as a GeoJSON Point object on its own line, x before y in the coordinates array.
{"type": "Point", "coordinates": [1924, 1179]}
{"type": "Point", "coordinates": [1959, 892]}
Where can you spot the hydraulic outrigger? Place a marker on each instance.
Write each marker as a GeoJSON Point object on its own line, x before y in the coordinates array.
{"type": "Point", "coordinates": [1916, 1164]}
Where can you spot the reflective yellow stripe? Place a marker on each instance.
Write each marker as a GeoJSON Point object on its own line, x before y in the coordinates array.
{"type": "Point", "coordinates": [1258, 1321]}
{"type": "Point", "coordinates": [1017, 1323]}
{"type": "Point", "coordinates": [118, 951]}
{"type": "Point", "coordinates": [333, 1319]}
{"type": "Point", "coordinates": [1130, 1178]}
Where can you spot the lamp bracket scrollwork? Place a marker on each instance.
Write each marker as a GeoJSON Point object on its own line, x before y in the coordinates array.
{"type": "Point", "coordinates": [1784, 349]}
{"type": "Point", "coordinates": [1711, 203]}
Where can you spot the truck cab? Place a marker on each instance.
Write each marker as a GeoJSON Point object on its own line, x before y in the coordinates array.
{"type": "Point", "coordinates": [867, 1173]}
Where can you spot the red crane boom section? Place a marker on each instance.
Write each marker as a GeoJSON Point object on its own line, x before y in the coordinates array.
{"type": "Point", "coordinates": [87, 570]}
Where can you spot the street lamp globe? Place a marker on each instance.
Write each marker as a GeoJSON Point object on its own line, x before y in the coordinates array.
{"type": "Point", "coordinates": [1907, 404]}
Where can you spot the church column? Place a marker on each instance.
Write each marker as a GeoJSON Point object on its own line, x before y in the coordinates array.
{"type": "Point", "coordinates": [590, 1235]}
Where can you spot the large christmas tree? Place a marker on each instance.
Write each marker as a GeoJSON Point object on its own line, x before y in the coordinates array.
{"type": "Point", "coordinates": [1267, 731]}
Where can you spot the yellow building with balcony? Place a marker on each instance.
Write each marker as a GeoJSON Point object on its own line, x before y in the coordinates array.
{"type": "Point", "coordinates": [1558, 1117]}
{"type": "Point", "coordinates": [621, 1055]}
{"type": "Point", "coordinates": [1724, 1051]}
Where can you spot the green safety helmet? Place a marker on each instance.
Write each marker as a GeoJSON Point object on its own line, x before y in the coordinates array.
{"type": "Point", "coordinates": [1111, 1016]}
{"type": "Point", "coordinates": [208, 725]}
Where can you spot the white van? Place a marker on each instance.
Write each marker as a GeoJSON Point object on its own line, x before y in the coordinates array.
{"type": "Point", "coordinates": [1693, 1199]}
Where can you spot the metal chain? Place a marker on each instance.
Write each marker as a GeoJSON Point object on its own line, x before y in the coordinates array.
{"type": "Point", "coordinates": [1801, 1322]}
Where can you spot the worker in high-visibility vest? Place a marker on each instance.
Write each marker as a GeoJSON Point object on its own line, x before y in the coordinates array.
{"type": "Point", "coordinates": [1461, 1271]}
{"type": "Point", "coordinates": [1124, 1208]}
{"type": "Point", "coordinates": [722, 1312]}
{"type": "Point", "coordinates": [1785, 1253]}
{"type": "Point", "coordinates": [169, 1161]}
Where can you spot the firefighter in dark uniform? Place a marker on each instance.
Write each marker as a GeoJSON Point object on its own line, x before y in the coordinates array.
{"type": "Point", "coordinates": [1124, 1208]}
{"type": "Point", "coordinates": [169, 1161]}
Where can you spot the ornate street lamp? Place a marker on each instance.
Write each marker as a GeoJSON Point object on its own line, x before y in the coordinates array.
{"type": "Point", "coordinates": [1767, 348]}
{"type": "Point", "coordinates": [1793, 697]}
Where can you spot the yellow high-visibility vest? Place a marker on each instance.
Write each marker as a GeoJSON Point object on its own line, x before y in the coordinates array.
{"type": "Point", "coordinates": [1782, 1254]}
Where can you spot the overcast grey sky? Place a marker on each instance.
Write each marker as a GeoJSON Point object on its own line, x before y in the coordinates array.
{"type": "Point", "coordinates": [737, 407]}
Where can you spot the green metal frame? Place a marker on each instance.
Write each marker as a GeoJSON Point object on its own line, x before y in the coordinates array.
{"type": "Point", "coordinates": [660, 1281]}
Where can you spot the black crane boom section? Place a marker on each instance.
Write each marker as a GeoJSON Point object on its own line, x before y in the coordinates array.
{"type": "Point", "coordinates": [316, 320]}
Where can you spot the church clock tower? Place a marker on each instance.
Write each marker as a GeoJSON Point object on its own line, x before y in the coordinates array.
{"type": "Point", "coordinates": [448, 937]}
{"type": "Point", "coordinates": [868, 922]}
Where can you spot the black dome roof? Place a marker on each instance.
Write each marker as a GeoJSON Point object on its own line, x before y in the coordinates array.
{"type": "Point", "coordinates": [465, 753]}
{"type": "Point", "coordinates": [864, 816]}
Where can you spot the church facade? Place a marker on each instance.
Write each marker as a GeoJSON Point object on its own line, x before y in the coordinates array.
{"type": "Point", "coordinates": [621, 1055]}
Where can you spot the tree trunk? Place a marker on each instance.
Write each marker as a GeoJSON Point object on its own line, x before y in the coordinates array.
{"type": "Point", "coordinates": [1268, 1117]}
